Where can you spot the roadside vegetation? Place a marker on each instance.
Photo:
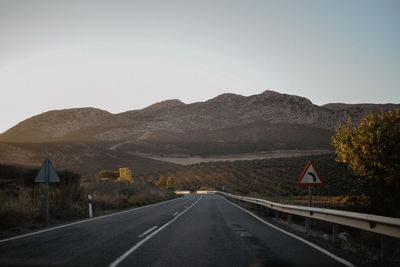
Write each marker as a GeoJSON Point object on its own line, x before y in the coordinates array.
{"type": "Point", "coordinates": [22, 201]}
{"type": "Point", "coordinates": [274, 179]}
{"type": "Point", "coordinates": [363, 176]}
{"type": "Point", "coordinates": [372, 151]}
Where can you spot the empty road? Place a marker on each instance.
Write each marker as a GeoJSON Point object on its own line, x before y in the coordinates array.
{"type": "Point", "coordinates": [195, 230]}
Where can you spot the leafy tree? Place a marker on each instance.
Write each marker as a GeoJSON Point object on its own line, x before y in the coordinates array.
{"type": "Point", "coordinates": [109, 174]}
{"type": "Point", "coordinates": [372, 151]}
{"type": "Point", "coordinates": [161, 182]}
{"type": "Point", "coordinates": [204, 188]}
{"type": "Point", "coordinates": [150, 180]}
{"type": "Point", "coordinates": [125, 174]}
{"type": "Point", "coordinates": [171, 183]}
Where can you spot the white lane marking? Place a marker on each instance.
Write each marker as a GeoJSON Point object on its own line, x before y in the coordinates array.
{"type": "Point", "coordinates": [176, 213]}
{"type": "Point", "coordinates": [141, 242]}
{"type": "Point", "coordinates": [148, 231]}
{"type": "Point", "coordinates": [186, 207]}
{"type": "Point", "coordinates": [84, 221]}
{"type": "Point", "coordinates": [333, 256]}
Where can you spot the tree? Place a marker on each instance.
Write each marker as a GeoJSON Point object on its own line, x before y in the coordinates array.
{"type": "Point", "coordinates": [161, 182]}
{"type": "Point", "coordinates": [171, 183]}
{"type": "Point", "coordinates": [107, 174]}
{"type": "Point", "coordinates": [125, 174]}
{"type": "Point", "coordinates": [372, 151]}
{"type": "Point", "coordinates": [150, 180]}
{"type": "Point", "coordinates": [204, 188]}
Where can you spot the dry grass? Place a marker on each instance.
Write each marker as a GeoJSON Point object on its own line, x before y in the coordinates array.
{"type": "Point", "coordinates": [109, 195]}
{"type": "Point", "coordinates": [343, 202]}
{"type": "Point", "coordinates": [22, 207]}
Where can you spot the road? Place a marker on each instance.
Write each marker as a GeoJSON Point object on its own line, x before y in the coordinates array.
{"type": "Point", "coordinates": [195, 230]}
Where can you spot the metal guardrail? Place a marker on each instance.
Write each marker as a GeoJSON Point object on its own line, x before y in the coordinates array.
{"type": "Point", "coordinates": [182, 192]}
{"type": "Point", "coordinates": [374, 223]}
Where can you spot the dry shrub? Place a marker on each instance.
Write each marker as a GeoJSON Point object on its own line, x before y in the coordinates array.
{"type": "Point", "coordinates": [23, 207]}
{"type": "Point", "coordinates": [17, 209]}
{"type": "Point", "coordinates": [111, 195]}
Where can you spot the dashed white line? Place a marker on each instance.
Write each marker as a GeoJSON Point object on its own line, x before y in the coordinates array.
{"type": "Point", "coordinates": [141, 242]}
{"type": "Point", "coordinates": [148, 231]}
{"type": "Point", "coordinates": [85, 221]}
{"type": "Point", "coordinates": [176, 213]}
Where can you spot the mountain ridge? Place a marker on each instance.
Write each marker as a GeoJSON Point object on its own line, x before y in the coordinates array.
{"type": "Point", "coordinates": [224, 125]}
{"type": "Point", "coordinates": [174, 116]}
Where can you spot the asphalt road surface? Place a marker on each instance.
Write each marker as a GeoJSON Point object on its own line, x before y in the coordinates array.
{"type": "Point", "coordinates": [195, 230]}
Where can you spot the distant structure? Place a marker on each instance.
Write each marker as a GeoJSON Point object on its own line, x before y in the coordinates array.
{"type": "Point", "coordinates": [125, 174]}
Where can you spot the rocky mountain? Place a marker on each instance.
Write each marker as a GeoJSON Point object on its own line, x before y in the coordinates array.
{"type": "Point", "coordinates": [226, 124]}
{"type": "Point", "coordinates": [226, 111]}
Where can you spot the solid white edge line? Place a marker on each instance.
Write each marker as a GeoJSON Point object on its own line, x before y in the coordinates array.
{"type": "Point", "coordinates": [84, 221]}
{"type": "Point", "coordinates": [141, 242]}
{"type": "Point", "coordinates": [148, 231]}
{"type": "Point", "coordinates": [333, 256]}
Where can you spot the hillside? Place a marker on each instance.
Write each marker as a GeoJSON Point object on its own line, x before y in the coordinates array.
{"type": "Point", "coordinates": [84, 159]}
{"type": "Point", "coordinates": [272, 177]}
{"type": "Point", "coordinates": [226, 124]}
{"type": "Point", "coordinates": [86, 140]}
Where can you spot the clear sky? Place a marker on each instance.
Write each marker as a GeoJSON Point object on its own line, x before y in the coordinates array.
{"type": "Point", "coordinates": [123, 55]}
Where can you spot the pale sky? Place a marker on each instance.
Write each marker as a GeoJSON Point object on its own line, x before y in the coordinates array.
{"type": "Point", "coordinates": [124, 55]}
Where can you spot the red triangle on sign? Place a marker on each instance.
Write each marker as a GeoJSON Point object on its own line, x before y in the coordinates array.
{"type": "Point", "coordinates": [310, 176]}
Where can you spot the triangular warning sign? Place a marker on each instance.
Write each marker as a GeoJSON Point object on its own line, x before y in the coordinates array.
{"type": "Point", "coordinates": [310, 176]}
{"type": "Point", "coordinates": [47, 172]}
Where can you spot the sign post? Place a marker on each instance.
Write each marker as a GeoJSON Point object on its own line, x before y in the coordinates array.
{"type": "Point", "coordinates": [47, 174]}
{"type": "Point", "coordinates": [310, 177]}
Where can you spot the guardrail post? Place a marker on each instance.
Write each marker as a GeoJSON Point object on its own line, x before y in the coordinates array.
{"type": "Point", "coordinates": [289, 219]}
{"type": "Point", "coordinates": [262, 210]}
{"type": "Point", "coordinates": [308, 225]}
{"type": "Point", "coordinates": [335, 231]}
{"type": "Point", "coordinates": [387, 226]}
{"type": "Point", "coordinates": [308, 220]}
{"type": "Point", "coordinates": [382, 252]}
{"type": "Point", "coordinates": [268, 211]}
{"type": "Point", "coordinates": [277, 215]}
